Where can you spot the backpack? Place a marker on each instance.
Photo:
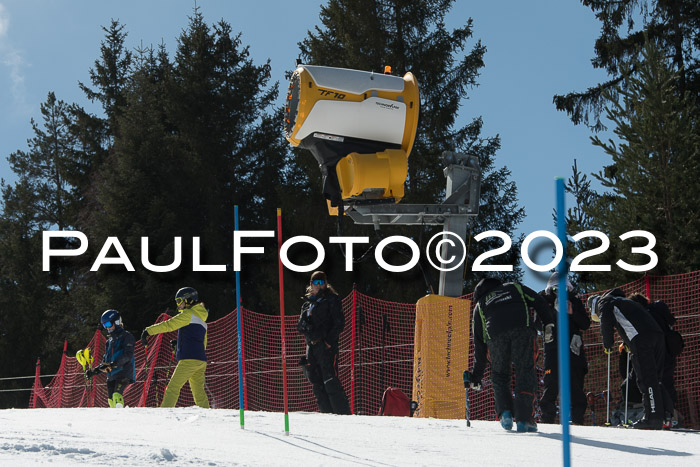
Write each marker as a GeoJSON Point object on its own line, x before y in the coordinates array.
{"type": "Point", "coordinates": [395, 403]}
{"type": "Point", "coordinates": [674, 343]}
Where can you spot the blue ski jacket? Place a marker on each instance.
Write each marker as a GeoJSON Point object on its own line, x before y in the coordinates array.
{"type": "Point", "coordinates": [119, 351]}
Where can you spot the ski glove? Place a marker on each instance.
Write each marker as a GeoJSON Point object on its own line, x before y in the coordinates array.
{"type": "Point", "coordinates": [475, 385]}
{"type": "Point", "coordinates": [548, 333]}
{"type": "Point", "coordinates": [144, 338]}
{"type": "Point", "coordinates": [103, 367]}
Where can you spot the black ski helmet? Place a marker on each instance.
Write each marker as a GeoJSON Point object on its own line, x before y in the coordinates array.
{"type": "Point", "coordinates": [188, 294]}
{"type": "Point", "coordinates": [111, 318]}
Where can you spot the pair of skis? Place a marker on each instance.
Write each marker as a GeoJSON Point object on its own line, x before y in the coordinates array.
{"type": "Point", "coordinates": [85, 359]}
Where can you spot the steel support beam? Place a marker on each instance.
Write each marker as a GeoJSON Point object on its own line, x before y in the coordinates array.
{"type": "Point", "coordinates": [461, 202]}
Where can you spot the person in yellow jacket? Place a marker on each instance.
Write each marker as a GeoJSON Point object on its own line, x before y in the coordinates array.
{"type": "Point", "coordinates": [191, 326]}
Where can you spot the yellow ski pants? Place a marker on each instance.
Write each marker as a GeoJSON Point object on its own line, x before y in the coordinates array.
{"type": "Point", "coordinates": [187, 370]}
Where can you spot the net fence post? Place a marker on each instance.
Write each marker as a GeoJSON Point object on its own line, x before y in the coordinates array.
{"type": "Point", "coordinates": [63, 374]}
{"type": "Point", "coordinates": [37, 383]}
{"type": "Point", "coordinates": [97, 344]}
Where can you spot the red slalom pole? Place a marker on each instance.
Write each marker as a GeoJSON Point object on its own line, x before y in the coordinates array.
{"type": "Point", "coordinates": [646, 285]}
{"type": "Point", "coordinates": [284, 342]}
{"type": "Point", "coordinates": [352, 351]}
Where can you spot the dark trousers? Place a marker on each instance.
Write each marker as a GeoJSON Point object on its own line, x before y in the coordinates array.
{"type": "Point", "coordinates": [632, 394]}
{"type": "Point", "coordinates": [321, 370]}
{"type": "Point", "coordinates": [515, 346]}
{"type": "Point", "coordinates": [548, 401]}
{"type": "Point", "coordinates": [668, 378]}
{"type": "Point", "coordinates": [116, 385]}
{"type": "Point", "coordinates": [648, 352]}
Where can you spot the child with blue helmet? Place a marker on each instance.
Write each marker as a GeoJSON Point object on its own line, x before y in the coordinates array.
{"type": "Point", "coordinates": [118, 360]}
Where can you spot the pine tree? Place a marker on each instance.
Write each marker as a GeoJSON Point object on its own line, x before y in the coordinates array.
{"type": "Point", "coordinates": [652, 179]}
{"type": "Point", "coordinates": [24, 290]}
{"type": "Point", "coordinates": [94, 134]}
{"type": "Point", "coordinates": [131, 197]}
{"type": "Point", "coordinates": [673, 24]}
{"type": "Point", "coordinates": [110, 77]}
{"type": "Point", "coordinates": [196, 137]}
{"type": "Point", "coordinates": [36, 309]}
{"type": "Point", "coordinates": [411, 36]}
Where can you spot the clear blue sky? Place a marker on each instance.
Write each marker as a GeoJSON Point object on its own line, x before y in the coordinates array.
{"type": "Point", "coordinates": [534, 50]}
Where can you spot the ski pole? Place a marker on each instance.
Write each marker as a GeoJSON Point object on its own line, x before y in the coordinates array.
{"type": "Point", "coordinates": [466, 377]}
{"type": "Point", "coordinates": [89, 359]}
{"type": "Point", "coordinates": [627, 388]}
{"type": "Point", "coordinates": [608, 395]}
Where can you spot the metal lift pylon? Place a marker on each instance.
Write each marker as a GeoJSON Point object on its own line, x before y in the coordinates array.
{"type": "Point", "coordinates": [461, 203]}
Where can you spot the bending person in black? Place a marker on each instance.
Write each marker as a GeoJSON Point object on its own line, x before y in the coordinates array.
{"type": "Point", "coordinates": [665, 319]}
{"type": "Point", "coordinates": [578, 322]}
{"type": "Point", "coordinates": [644, 338]}
{"type": "Point", "coordinates": [321, 322]}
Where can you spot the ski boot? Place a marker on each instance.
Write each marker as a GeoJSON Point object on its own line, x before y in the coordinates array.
{"type": "Point", "coordinates": [527, 427]}
{"type": "Point", "coordinates": [506, 420]}
{"type": "Point", "coordinates": [649, 424]}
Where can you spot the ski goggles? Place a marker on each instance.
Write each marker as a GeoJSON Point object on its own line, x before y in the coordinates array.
{"type": "Point", "coordinates": [318, 282]}
{"type": "Point", "coordinates": [107, 324]}
{"type": "Point", "coordinates": [179, 301]}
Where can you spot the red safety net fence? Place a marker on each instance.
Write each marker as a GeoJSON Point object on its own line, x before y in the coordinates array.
{"type": "Point", "coordinates": [377, 351]}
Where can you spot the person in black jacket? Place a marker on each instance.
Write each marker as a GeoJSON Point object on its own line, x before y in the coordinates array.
{"type": "Point", "coordinates": [664, 318]}
{"type": "Point", "coordinates": [118, 360]}
{"type": "Point", "coordinates": [645, 340]}
{"type": "Point", "coordinates": [578, 322]}
{"type": "Point", "coordinates": [321, 321]}
{"type": "Point", "coordinates": [504, 325]}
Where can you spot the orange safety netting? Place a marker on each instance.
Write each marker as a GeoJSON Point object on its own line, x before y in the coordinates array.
{"type": "Point", "coordinates": [377, 351]}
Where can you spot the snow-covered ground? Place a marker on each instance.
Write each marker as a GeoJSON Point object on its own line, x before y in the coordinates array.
{"type": "Point", "coordinates": [194, 436]}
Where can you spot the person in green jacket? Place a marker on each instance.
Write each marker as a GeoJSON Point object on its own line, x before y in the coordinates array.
{"type": "Point", "coordinates": [191, 326]}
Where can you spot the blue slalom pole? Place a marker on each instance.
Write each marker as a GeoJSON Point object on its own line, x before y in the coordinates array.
{"type": "Point", "coordinates": [563, 330]}
{"type": "Point", "coordinates": [240, 337]}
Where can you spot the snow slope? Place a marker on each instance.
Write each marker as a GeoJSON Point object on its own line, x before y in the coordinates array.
{"type": "Point", "coordinates": [194, 436]}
